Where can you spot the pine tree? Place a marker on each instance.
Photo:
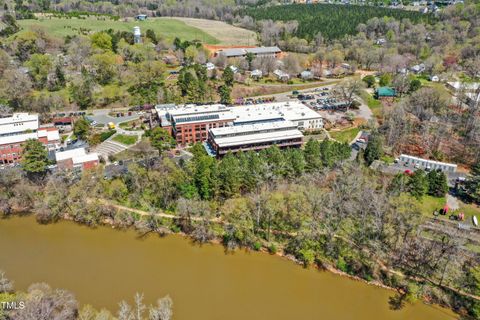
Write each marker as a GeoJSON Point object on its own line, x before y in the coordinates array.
{"type": "Point", "coordinates": [34, 157]}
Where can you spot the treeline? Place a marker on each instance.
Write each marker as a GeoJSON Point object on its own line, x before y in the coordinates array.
{"type": "Point", "coordinates": [40, 301]}
{"type": "Point", "coordinates": [308, 204]}
{"type": "Point", "coordinates": [332, 21]}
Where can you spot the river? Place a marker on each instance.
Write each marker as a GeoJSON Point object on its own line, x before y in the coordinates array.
{"type": "Point", "coordinates": [102, 266]}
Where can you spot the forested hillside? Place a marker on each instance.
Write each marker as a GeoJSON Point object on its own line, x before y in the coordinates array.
{"type": "Point", "coordinates": [332, 21]}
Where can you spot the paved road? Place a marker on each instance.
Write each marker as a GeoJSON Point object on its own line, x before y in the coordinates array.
{"type": "Point", "coordinates": [101, 116]}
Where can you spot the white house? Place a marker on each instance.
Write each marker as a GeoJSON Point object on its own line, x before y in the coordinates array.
{"type": "Point", "coordinates": [281, 75]}
{"type": "Point", "coordinates": [256, 74]}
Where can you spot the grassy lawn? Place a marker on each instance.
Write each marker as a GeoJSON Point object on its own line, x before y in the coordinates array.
{"type": "Point", "coordinates": [428, 204]}
{"type": "Point", "coordinates": [166, 28]}
{"type": "Point", "coordinates": [124, 139]}
{"type": "Point", "coordinates": [346, 135]}
{"type": "Point", "coordinates": [374, 104]}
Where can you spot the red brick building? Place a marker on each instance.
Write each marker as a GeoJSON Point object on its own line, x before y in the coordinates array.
{"type": "Point", "coordinates": [17, 129]}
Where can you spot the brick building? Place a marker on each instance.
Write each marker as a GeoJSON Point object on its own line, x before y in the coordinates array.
{"type": "Point", "coordinates": [17, 129]}
{"type": "Point", "coordinates": [191, 123]}
{"type": "Point", "coordinates": [253, 137]}
{"type": "Point", "coordinates": [76, 158]}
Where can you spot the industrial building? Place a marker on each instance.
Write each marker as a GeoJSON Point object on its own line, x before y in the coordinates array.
{"type": "Point", "coordinates": [17, 129]}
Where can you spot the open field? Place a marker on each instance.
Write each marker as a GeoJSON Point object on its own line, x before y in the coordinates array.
{"type": "Point", "coordinates": [124, 139]}
{"type": "Point", "coordinates": [166, 28]}
{"type": "Point", "coordinates": [346, 135]}
{"type": "Point", "coordinates": [224, 32]}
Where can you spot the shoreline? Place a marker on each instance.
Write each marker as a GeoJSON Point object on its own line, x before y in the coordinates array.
{"type": "Point", "coordinates": [217, 241]}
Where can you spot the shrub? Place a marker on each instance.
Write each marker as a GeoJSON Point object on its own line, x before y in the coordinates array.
{"type": "Point", "coordinates": [272, 248]}
{"type": "Point", "coordinates": [257, 246]}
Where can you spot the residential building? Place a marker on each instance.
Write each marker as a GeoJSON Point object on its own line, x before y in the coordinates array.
{"type": "Point", "coordinates": [76, 158]}
{"type": "Point", "coordinates": [256, 74]}
{"type": "Point", "coordinates": [253, 137]}
{"type": "Point", "coordinates": [306, 75]}
{"type": "Point", "coordinates": [281, 75]}
{"type": "Point", "coordinates": [17, 129]}
{"type": "Point", "coordinates": [427, 164]}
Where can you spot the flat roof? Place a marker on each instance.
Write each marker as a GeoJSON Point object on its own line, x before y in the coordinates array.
{"type": "Point", "coordinates": [18, 138]}
{"type": "Point", "coordinates": [430, 161]}
{"type": "Point", "coordinates": [252, 128]}
{"type": "Point", "coordinates": [292, 111]}
{"type": "Point", "coordinates": [256, 138]}
{"type": "Point", "coordinates": [86, 158]}
{"type": "Point", "coordinates": [70, 154]}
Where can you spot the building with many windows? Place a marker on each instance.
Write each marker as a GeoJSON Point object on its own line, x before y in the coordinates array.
{"type": "Point", "coordinates": [253, 137]}
{"type": "Point", "coordinates": [17, 129]}
{"type": "Point", "coordinates": [191, 123]}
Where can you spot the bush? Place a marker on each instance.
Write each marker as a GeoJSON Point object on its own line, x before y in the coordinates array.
{"type": "Point", "coordinates": [107, 134]}
{"type": "Point", "coordinates": [257, 246]}
{"type": "Point", "coordinates": [272, 248]}
{"type": "Point", "coordinates": [342, 264]}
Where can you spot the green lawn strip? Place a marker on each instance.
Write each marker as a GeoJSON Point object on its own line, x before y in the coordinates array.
{"type": "Point", "coordinates": [346, 135]}
{"type": "Point", "coordinates": [166, 28]}
{"type": "Point", "coordinates": [429, 204]}
{"type": "Point", "coordinates": [125, 139]}
{"type": "Point", "coordinates": [374, 104]}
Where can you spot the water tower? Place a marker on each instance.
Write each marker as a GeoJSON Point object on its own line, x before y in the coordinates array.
{"type": "Point", "coordinates": [137, 35]}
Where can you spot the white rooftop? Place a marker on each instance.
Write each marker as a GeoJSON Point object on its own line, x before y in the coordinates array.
{"type": "Point", "coordinates": [78, 156]}
{"type": "Point", "coordinates": [258, 137]}
{"type": "Point", "coordinates": [18, 122]}
{"type": "Point", "coordinates": [86, 158]}
{"type": "Point", "coordinates": [69, 154]}
{"type": "Point", "coordinates": [252, 128]}
{"type": "Point", "coordinates": [18, 138]}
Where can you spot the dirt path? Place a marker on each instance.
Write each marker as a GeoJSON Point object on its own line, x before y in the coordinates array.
{"type": "Point", "coordinates": [381, 263]}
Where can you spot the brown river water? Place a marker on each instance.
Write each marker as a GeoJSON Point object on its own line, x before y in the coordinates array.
{"type": "Point", "coordinates": [102, 266]}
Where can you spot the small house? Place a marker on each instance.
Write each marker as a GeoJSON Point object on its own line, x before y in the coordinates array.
{"type": "Point", "coordinates": [434, 78]}
{"type": "Point", "coordinates": [256, 74]}
{"type": "Point", "coordinates": [418, 68]}
{"type": "Point", "coordinates": [281, 75]}
{"type": "Point", "coordinates": [306, 75]}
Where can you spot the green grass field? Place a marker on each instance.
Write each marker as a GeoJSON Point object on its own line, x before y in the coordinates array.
{"type": "Point", "coordinates": [124, 139]}
{"type": "Point", "coordinates": [346, 135]}
{"type": "Point", "coordinates": [166, 28]}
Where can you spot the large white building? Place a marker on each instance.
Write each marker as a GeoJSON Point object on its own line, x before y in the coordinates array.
{"type": "Point", "coordinates": [17, 129]}
{"type": "Point", "coordinates": [192, 123]}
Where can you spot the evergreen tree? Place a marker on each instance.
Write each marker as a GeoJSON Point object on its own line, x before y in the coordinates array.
{"type": "Point", "coordinates": [374, 150]}
{"type": "Point", "coordinates": [312, 155]}
{"type": "Point", "coordinates": [472, 185]}
{"type": "Point", "coordinates": [34, 157]}
{"type": "Point", "coordinates": [227, 76]}
{"type": "Point", "coordinates": [418, 184]}
{"type": "Point", "coordinates": [437, 183]}
{"type": "Point", "coordinates": [224, 92]}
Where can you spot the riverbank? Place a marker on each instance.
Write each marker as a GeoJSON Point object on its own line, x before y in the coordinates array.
{"type": "Point", "coordinates": [103, 258]}
{"type": "Point", "coordinates": [264, 250]}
